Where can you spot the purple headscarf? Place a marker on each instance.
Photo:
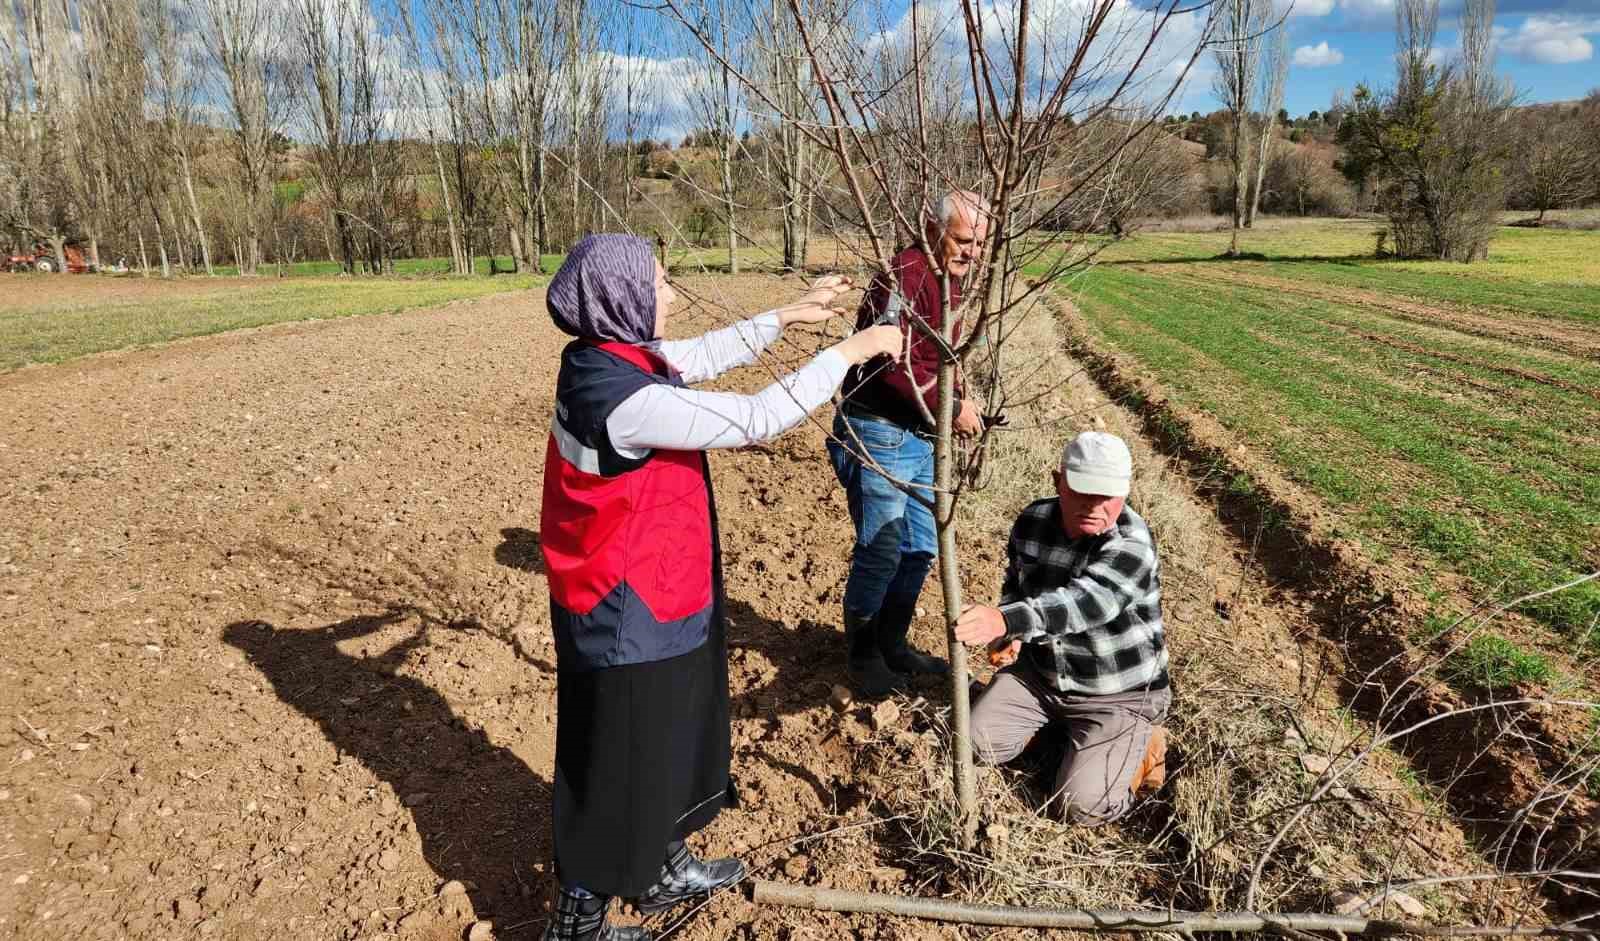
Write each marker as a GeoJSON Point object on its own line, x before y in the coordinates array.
{"type": "Point", "coordinates": [606, 290]}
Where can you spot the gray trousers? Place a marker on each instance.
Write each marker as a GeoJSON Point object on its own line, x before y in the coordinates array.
{"type": "Point", "coordinates": [1109, 735]}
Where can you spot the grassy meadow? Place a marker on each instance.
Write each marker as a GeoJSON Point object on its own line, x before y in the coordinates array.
{"type": "Point", "coordinates": [1447, 412]}
{"type": "Point", "coordinates": [53, 318]}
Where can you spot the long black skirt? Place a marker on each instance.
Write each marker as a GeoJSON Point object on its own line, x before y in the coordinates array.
{"type": "Point", "coordinates": [641, 760]}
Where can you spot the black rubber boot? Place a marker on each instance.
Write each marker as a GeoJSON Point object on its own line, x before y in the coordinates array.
{"type": "Point", "coordinates": [869, 675]}
{"type": "Point", "coordinates": [581, 916]}
{"type": "Point", "coordinates": [683, 877]}
{"type": "Point", "coordinates": [894, 623]}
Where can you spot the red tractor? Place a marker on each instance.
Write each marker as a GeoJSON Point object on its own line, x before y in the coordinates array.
{"type": "Point", "coordinates": [41, 258]}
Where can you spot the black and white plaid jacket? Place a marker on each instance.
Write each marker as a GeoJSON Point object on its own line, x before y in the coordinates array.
{"type": "Point", "coordinates": [1088, 610]}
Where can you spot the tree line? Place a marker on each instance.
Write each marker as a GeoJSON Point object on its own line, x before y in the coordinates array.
{"type": "Point", "coordinates": [188, 134]}
{"type": "Point", "coordinates": [194, 133]}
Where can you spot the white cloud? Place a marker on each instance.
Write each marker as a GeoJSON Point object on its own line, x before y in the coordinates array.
{"type": "Point", "coordinates": [1297, 8]}
{"type": "Point", "coordinates": [1319, 56]}
{"type": "Point", "coordinates": [1551, 40]}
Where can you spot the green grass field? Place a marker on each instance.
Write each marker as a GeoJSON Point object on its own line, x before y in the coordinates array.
{"type": "Point", "coordinates": [1448, 412]}
{"type": "Point", "coordinates": [50, 321]}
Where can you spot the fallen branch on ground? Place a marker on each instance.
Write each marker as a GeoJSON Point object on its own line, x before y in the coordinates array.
{"type": "Point", "coordinates": [836, 900]}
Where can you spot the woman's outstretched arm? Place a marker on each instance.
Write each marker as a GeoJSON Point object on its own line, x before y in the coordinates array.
{"type": "Point", "coordinates": [709, 355]}
{"type": "Point", "coordinates": [679, 419]}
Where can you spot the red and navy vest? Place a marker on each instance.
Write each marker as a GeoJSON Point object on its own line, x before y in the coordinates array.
{"type": "Point", "coordinates": [627, 541]}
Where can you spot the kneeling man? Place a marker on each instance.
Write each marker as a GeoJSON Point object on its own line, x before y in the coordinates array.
{"type": "Point", "coordinates": [1080, 613]}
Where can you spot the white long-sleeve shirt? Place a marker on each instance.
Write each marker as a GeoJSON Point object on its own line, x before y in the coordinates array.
{"type": "Point", "coordinates": [681, 419]}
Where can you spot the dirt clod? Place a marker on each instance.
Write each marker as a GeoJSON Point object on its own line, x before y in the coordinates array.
{"type": "Point", "coordinates": [797, 866]}
{"type": "Point", "coordinates": [884, 715]}
{"type": "Point", "coordinates": [481, 931]}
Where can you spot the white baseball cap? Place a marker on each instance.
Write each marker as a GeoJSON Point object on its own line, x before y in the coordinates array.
{"type": "Point", "coordinates": [1099, 463]}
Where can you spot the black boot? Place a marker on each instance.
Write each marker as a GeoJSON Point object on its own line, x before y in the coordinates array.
{"type": "Point", "coordinates": [869, 675]}
{"type": "Point", "coordinates": [683, 877]}
{"type": "Point", "coordinates": [581, 916]}
{"type": "Point", "coordinates": [894, 623]}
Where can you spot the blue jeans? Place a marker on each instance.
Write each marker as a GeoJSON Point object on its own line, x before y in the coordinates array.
{"type": "Point", "coordinates": [895, 540]}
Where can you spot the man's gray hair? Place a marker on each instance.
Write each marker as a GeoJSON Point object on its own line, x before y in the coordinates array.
{"type": "Point", "coordinates": [974, 203]}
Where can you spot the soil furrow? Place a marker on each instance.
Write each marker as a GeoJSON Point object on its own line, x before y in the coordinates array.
{"type": "Point", "coordinates": [1546, 334]}
{"type": "Point", "coordinates": [1366, 615]}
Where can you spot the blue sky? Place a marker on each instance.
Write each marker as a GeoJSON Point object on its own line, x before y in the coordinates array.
{"type": "Point", "coordinates": [1547, 47]}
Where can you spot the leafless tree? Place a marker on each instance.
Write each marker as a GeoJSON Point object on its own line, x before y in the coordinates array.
{"type": "Point", "coordinates": [324, 46]}
{"type": "Point", "coordinates": [795, 170]}
{"type": "Point", "coordinates": [174, 83]}
{"type": "Point", "coordinates": [1552, 169]}
{"type": "Point", "coordinates": [113, 42]}
{"type": "Point", "coordinates": [379, 136]}
{"type": "Point", "coordinates": [635, 79]}
{"type": "Point", "coordinates": [245, 41]}
{"type": "Point", "coordinates": [38, 204]}
{"type": "Point", "coordinates": [1242, 25]}
{"type": "Point", "coordinates": [581, 120]}
{"type": "Point", "coordinates": [425, 90]}
{"type": "Point", "coordinates": [461, 92]}
{"type": "Point", "coordinates": [717, 101]}
{"type": "Point", "coordinates": [1274, 75]}
{"type": "Point", "coordinates": [526, 52]}
{"type": "Point", "coordinates": [1589, 124]}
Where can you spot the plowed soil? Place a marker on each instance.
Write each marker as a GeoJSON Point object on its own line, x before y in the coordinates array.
{"type": "Point", "coordinates": [277, 659]}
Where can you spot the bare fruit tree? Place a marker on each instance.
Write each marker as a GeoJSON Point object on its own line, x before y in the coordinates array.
{"type": "Point", "coordinates": [1029, 109]}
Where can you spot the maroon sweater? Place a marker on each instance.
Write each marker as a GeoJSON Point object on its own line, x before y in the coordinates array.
{"type": "Point", "coordinates": [882, 386]}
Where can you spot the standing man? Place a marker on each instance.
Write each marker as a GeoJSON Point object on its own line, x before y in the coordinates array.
{"type": "Point", "coordinates": [884, 414]}
{"type": "Point", "coordinates": [1082, 601]}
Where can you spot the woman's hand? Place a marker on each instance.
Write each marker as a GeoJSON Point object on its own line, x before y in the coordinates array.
{"type": "Point", "coordinates": [882, 340]}
{"type": "Point", "coordinates": [813, 306]}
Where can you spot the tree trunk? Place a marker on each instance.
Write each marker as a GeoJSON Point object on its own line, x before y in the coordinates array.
{"type": "Point", "coordinates": [161, 241]}
{"type": "Point", "coordinates": [327, 241]}
{"type": "Point", "coordinates": [517, 258]}
{"type": "Point", "coordinates": [194, 215]}
{"type": "Point", "coordinates": [541, 212]}
{"type": "Point", "coordinates": [1262, 152]}
{"type": "Point", "coordinates": [728, 203]}
{"type": "Point", "coordinates": [144, 257]}
{"type": "Point", "coordinates": [1241, 186]}
{"type": "Point", "coordinates": [449, 210]}
{"type": "Point", "coordinates": [58, 248]}
{"type": "Point", "coordinates": [177, 234]}
{"type": "Point", "coordinates": [950, 582]}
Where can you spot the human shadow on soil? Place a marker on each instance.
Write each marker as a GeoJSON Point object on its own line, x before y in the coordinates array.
{"type": "Point", "coordinates": [479, 809]}
{"type": "Point", "coordinates": [809, 658]}
{"type": "Point", "coordinates": [520, 549]}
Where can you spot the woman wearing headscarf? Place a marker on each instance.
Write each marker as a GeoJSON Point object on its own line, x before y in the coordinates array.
{"type": "Point", "coordinates": [629, 536]}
